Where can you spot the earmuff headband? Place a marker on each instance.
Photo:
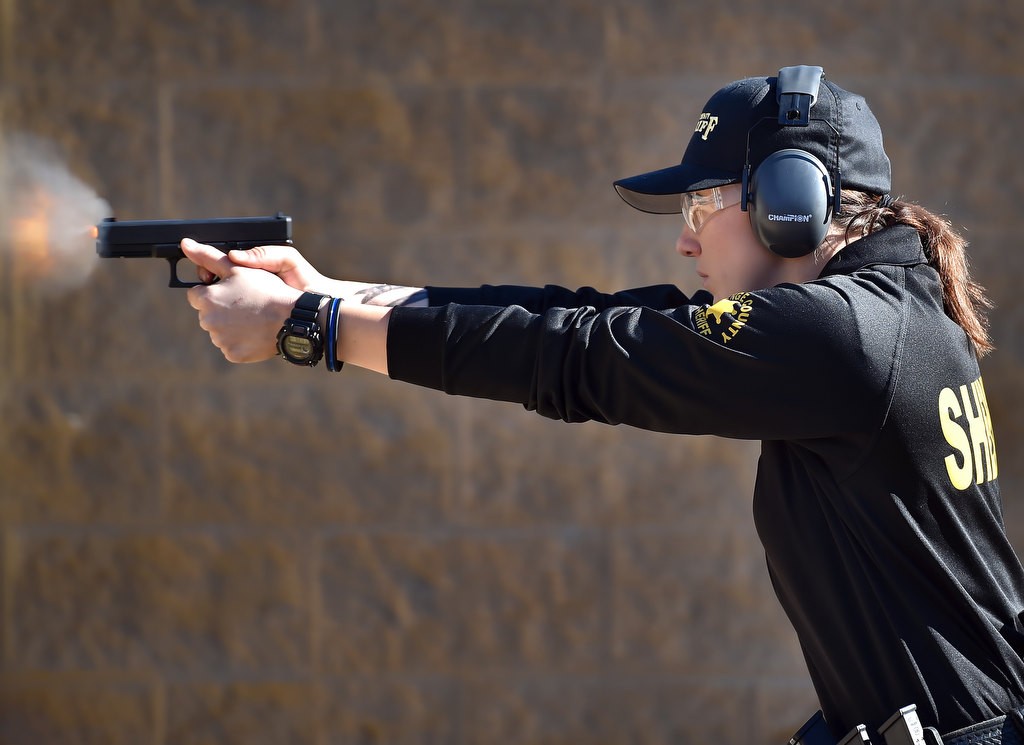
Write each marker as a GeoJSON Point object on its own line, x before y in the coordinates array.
{"type": "Point", "coordinates": [796, 90]}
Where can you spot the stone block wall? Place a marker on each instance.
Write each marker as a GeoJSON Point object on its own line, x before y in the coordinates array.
{"type": "Point", "coordinates": [195, 552]}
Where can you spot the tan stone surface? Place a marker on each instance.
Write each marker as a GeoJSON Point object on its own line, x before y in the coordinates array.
{"type": "Point", "coordinates": [406, 710]}
{"type": "Point", "coordinates": [245, 712]}
{"type": "Point", "coordinates": [91, 709]}
{"type": "Point", "coordinates": [189, 603]}
{"type": "Point", "coordinates": [195, 552]}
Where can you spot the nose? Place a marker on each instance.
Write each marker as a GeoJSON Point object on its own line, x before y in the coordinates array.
{"type": "Point", "coordinates": [687, 243]}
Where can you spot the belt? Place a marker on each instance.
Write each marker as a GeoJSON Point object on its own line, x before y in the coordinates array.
{"type": "Point", "coordinates": [999, 731]}
{"type": "Point", "coordinates": [904, 728]}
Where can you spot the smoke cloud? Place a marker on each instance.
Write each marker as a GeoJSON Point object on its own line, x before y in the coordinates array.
{"type": "Point", "coordinates": [46, 216]}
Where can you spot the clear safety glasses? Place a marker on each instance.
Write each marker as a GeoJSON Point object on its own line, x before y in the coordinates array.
{"type": "Point", "coordinates": [700, 206]}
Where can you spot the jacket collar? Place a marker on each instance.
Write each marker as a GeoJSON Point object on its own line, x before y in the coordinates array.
{"type": "Point", "coordinates": [898, 245]}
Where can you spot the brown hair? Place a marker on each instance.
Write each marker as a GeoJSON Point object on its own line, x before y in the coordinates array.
{"type": "Point", "coordinates": [963, 299]}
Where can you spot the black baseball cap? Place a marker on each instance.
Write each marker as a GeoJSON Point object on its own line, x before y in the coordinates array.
{"type": "Point", "coordinates": [841, 127]}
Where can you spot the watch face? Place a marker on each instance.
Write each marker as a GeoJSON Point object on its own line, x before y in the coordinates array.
{"type": "Point", "coordinates": [297, 348]}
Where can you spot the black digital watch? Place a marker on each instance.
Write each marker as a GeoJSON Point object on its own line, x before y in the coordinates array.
{"type": "Point", "coordinates": [300, 340]}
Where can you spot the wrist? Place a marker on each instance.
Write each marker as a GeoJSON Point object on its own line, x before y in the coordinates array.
{"type": "Point", "coordinates": [321, 314]}
{"type": "Point", "coordinates": [327, 286]}
{"type": "Point", "coordinates": [300, 340]}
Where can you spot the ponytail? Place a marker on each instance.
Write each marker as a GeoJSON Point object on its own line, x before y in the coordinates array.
{"type": "Point", "coordinates": [963, 299]}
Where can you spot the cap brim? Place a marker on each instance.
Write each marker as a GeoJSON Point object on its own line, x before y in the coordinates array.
{"type": "Point", "coordinates": [658, 191]}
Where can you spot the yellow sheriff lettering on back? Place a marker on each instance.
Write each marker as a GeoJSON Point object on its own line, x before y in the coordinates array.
{"type": "Point", "coordinates": [967, 428]}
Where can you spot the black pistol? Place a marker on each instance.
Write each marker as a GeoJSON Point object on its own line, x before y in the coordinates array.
{"type": "Point", "coordinates": [161, 239]}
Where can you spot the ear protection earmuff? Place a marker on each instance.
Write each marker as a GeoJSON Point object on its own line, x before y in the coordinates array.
{"type": "Point", "coordinates": [791, 197]}
{"type": "Point", "coordinates": [790, 203]}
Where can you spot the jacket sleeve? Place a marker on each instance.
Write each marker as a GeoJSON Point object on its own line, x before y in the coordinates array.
{"type": "Point", "coordinates": [540, 299]}
{"type": "Point", "coordinates": [789, 362]}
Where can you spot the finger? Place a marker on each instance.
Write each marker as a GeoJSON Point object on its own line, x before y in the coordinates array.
{"type": "Point", "coordinates": [275, 259]}
{"type": "Point", "coordinates": [206, 257]}
{"type": "Point", "coordinates": [195, 296]}
{"type": "Point", "coordinates": [206, 276]}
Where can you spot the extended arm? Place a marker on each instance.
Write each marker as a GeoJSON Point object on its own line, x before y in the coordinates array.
{"type": "Point", "coordinates": [257, 291]}
{"type": "Point", "coordinates": [258, 288]}
{"type": "Point", "coordinates": [676, 370]}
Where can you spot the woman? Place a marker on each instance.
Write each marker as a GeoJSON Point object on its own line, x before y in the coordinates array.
{"type": "Point", "coordinates": [837, 325]}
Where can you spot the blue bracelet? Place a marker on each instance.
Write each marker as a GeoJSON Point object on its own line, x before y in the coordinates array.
{"type": "Point", "coordinates": [333, 363]}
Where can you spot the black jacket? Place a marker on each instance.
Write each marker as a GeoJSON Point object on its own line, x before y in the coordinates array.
{"type": "Point", "coordinates": [876, 496]}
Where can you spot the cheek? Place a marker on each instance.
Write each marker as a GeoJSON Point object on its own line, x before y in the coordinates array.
{"type": "Point", "coordinates": [759, 260]}
{"type": "Point", "coordinates": [744, 263]}
{"type": "Point", "coordinates": [761, 268]}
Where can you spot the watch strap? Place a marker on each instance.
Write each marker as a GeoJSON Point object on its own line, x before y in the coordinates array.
{"type": "Point", "coordinates": [304, 322]}
{"type": "Point", "coordinates": [307, 307]}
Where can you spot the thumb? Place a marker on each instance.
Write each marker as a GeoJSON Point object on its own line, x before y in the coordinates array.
{"type": "Point", "coordinates": [206, 257]}
{"type": "Point", "coordinates": [274, 259]}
